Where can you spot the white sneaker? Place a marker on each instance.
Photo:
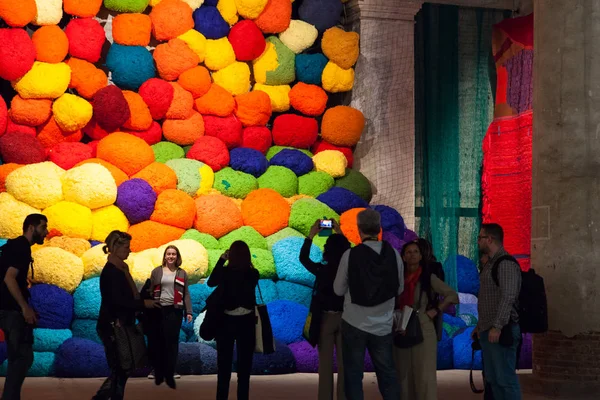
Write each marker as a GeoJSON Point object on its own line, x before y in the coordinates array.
{"type": "Point", "coordinates": [176, 376]}
{"type": "Point", "coordinates": [151, 375]}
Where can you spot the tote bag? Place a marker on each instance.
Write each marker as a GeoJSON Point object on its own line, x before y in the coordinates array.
{"type": "Point", "coordinates": [265, 342]}
{"type": "Point", "coordinates": [131, 346]}
{"type": "Point", "coordinates": [312, 326]}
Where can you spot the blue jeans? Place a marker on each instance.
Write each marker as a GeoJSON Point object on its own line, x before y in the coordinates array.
{"type": "Point", "coordinates": [354, 343]}
{"type": "Point", "coordinates": [499, 366]}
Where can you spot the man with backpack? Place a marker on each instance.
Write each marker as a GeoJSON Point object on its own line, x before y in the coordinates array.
{"type": "Point", "coordinates": [17, 318]}
{"type": "Point", "coordinates": [498, 327]}
{"type": "Point", "coordinates": [370, 276]}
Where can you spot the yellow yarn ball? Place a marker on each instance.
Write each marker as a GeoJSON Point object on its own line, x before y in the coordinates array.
{"type": "Point", "coordinates": [219, 54]}
{"type": "Point", "coordinates": [72, 245]}
{"type": "Point", "coordinates": [70, 219]}
{"type": "Point", "coordinates": [265, 63]}
{"type": "Point", "coordinates": [38, 185]}
{"type": "Point", "coordinates": [235, 78]}
{"type": "Point", "coordinates": [336, 79]}
{"type": "Point", "coordinates": [228, 10]}
{"type": "Point", "coordinates": [44, 81]}
{"type": "Point", "coordinates": [91, 185]}
{"type": "Point", "coordinates": [207, 179]}
{"type": "Point", "coordinates": [192, 3]}
{"type": "Point", "coordinates": [58, 267]}
{"type": "Point", "coordinates": [250, 9]}
{"type": "Point", "coordinates": [49, 12]}
{"type": "Point", "coordinates": [299, 36]}
{"type": "Point", "coordinates": [194, 258]}
{"type": "Point", "coordinates": [107, 219]}
{"type": "Point", "coordinates": [195, 41]}
{"type": "Point", "coordinates": [279, 95]}
{"type": "Point", "coordinates": [141, 264]}
{"type": "Point", "coordinates": [72, 112]}
{"type": "Point", "coordinates": [12, 215]}
{"type": "Point", "coordinates": [93, 261]}
{"type": "Point", "coordinates": [332, 162]}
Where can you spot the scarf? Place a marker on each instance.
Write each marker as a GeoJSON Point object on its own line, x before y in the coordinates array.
{"type": "Point", "coordinates": [407, 298]}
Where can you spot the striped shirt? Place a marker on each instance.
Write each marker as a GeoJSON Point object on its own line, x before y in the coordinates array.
{"type": "Point", "coordinates": [497, 305]}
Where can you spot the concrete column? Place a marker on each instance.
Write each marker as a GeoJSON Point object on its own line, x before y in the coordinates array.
{"type": "Point", "coordinates": [384, 92]}
{"type": "Point", "coordinates": [565, 246]}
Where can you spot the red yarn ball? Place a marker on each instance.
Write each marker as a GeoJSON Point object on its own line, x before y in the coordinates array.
{"type": "Point", "coordinates": [228, 129]}
{"type": "Point", "coordinates": [247, 40]}
{"type": "Point", "coordinates": [151, 135]}
{"type": "Point", "coordinates": [111, 110]}
{"type": "Point", "coordinates": [86, 38]}
{"type": "Point", "coordinates": [12, 127]}
{"type": "Point", "coordinates": [295, 130]}
{"type": "Point", "coordinates": [257, 137]}
{"type": "Point", "coordinates": [94, 131]}
{"type": "Point", "coordinates": [17, 53]}
{"type": "Point", "coordinates": [67, 154]}
{"type": "Point", "coordinates": [211, 151]}
{"type": "Point", "coordinates": [3, 116]}
{"type": "Point", "coordinates": [94, 146]}
{"type": "Point", "coordinates": [321, 145]}
{"type": "Point", "coordinates": [21, 148]}
{"type": "Point", "coordinates": [158, 95]}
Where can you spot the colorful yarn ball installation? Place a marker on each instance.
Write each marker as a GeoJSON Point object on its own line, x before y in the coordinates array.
{"type": "Point", "coordinates": [248, 160]}
{"type": "Point", "coordinates": [293, 160]}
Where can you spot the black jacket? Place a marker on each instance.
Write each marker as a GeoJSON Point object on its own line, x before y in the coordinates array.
{"type": "Point", "coordinates": [118, 300]}
{"type": "Point", "coordinates": [237, 285]}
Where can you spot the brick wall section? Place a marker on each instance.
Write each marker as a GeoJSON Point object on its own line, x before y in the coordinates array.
{"type": "Point", "coordinates": [557, 358]}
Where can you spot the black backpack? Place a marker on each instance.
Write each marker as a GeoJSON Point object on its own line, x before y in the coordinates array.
{"type": "Point", "coordinates": [533, 307]}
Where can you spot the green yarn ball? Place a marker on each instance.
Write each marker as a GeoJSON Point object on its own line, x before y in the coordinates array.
{"type": "Point", "coordinates": [282, 234]}
{"type": "Point", "coordinates": [276, 149]}
{"type": "Point", "coordinates": [234, 183]}
{"type": "Point", "coordinates": [126, 6]}
{"type": "Point", "coordinates": [246, 234]}
{"type": "Point", "coordinates": [285, 72]}
{"type": "Point", "coordinates": [282, 180]}
{"type": "Point", "coordinates": [264, 262]}
{"type": "Point", "coordinates": [306, 211]}
{"type": "Point", "coordinates": [213, 258]}
{"type": "Point", "coordinates": [186, 149]}
{"type": "Point", "coordinates": [314, 183]}
{"type": "Point", "coordinates": [188, 174]}
{"type": "Point", "coordinates": [165, 151]}
{"type": "Point", "coordinates": [357, 183]}
{"type": "Point", "coordinates": [204, 239]}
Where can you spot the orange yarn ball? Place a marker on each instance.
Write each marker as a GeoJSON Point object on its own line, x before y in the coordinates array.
{"type": "Point", "coordinates": [217, 101]}
{"type": "Point", "coordinates": [182, 104]}
{"type": "Point", "coordinates": [19, 13]}
{"type": "Point", "coordinates": [174, 58]}
{"type": "Point", "coordinates": [253, 108]}
{"type": "Point", "coordinates": [82, 8]}
{"type": "Point", "coordinates": [184, 132]}
{"type": "Point", "coordinates": [196, 80]}
{"type": "Point", "coordinates": [132, 29]}
{"type": "Point", "coordinates": [308, 99]}
{"type": "Point", "coordinates": [266, 211]}
{"type": "Point", "coordinates": [275, 17]}
{"type": "Point", "coordinates": [174, 207]}
{"type": "Point", "coordinates": [127, 152]}
{"type": "Point", "coordinates": [349, 225]}
{"type": "Point", "coordinates": [217, 215]}
{"type": "Point", "coordinates": [86, 78]}
{"type": "Point", "coordinates": [150, 234]}
{"type": "Point", "coordinates": [171, 18]}
{"type": "Point", "coordinates": [140, 118]}
{"type": "Point", "coordinates": [6, 169]}
{"type": "Point", "coordinates": [342, 126]}
{"type": "Point", "coordinates": [118, 175]}
{"type": "Point", "coordinates": [30, 112]}
{"type": "Point", "coordinates": [51, 44]}
{"type": "Point", "coordinates": [49, 134]}
{"type": "Point", "coordinates": [159, 176]}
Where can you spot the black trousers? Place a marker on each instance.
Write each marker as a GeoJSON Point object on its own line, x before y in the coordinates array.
{"type": "Point", "coordinates": [238, 330]}
{"type": "Point", "coordinates": [113, 387]}
{"type": "Point", "coordinates": [164, 346]}
{"type": "Point", "coordinates": [19, 345]}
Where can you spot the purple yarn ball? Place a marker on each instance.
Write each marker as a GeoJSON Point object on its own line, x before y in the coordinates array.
{"type": "Point", "coordinates": [53, 305]}
{"type": "Point", "coordinates": [391, 220]}
{"type": "Point", "coordinates": [394, 241]}
{"type": "Point", "coordinates": [525, 360]}
{"type": "Point", "coordinates": [307, 357]}
{"type": "Point", "coordinates": [293, 159]}
{"type": "Point", "coordinates": [342, 200]}
{"type": "Point", "coordinates": [248, 160]}
{"type": "Point", "coordinates": [81, 358]}
{"type": "Point", "coordinates": [410, 236]}
{"type": "Point", "coordinates": [136, 199]}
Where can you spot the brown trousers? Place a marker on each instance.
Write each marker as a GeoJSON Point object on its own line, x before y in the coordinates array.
{"type": "Point", "coordinates": [331, 336]}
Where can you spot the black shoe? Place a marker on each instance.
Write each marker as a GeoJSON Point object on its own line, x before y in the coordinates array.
{"type": "Point", "coordinates": [171, 382]}
{"type": "Point", "coordinates": [158, 379]}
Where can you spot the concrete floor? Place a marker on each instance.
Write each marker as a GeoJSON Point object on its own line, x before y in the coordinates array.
{"type": "Point", "coordinates": [451, 385]}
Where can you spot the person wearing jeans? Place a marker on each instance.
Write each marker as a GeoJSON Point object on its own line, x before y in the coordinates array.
{"type": "Point", "coordinates": [499, 362]}
{"type": "Point", "coordinates": [369, 307]}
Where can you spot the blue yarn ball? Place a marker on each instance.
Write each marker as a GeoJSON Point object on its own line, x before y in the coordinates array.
{"type": "Point", "coordinates": [136, 199]}
{"type": "Point", "coordinates": [209, 22]}
{"type": "Point", "coordinates": [199, 292]}
{"type": "Point", "coordinates": [323, 14]}
{"type": "Point", "coordinates": [3, 351]}
{"type": "Point", "coordinates": [278, 363]}
{"type": "Point", "coordinates": [196, 359]}
{"type": "Point", "coordinates": [94, 243]}
{"type": "Point", "coordinates": [452, 324]}
{"type": "Point", "coordinates": [463, 351]}
{"type": "Point", "coordinates": [3, 242]}
{"type": "Point", "coordinates": [212, 3]}
{"type": "Point", "coordinates": [294, 292]}
{"type": "Point", "coordinates": [248, 160]}
{"type": "Point", "coordinates": [293, 159]}
{"type": "Point", "coordinates": [86, 329]}
{"type": "Point", "coordinates": [54, 306]}
{"type": "Point", "coordinates": [309, 68]}
{"type": "Point", "coordinates": [269, 292]}
{"type": "Point", "coordinates": [81, 358]}
{"type": "Point", "coordinates": [49, 340]}
{"type": "Point", "coordinates": [188, 327]}
{"type": "Point", "coordinates": [445, 352]}
{"type": "Point", "coordinates": [467, 305]}
{"type": "Point", "coordinates": [87, 299]}
{"type": "Point", "coordinates": [467, 274]}
{"type": "Point", "coordinates": [130, 66]}
{"type": "Point", "coordinates": [286, 253]}
{"type": "Point", "coordinates": [341, 200]}
{"type": "Point", "coordinates": [43, 364]}
{"type": "Point", "coordinates": [391, 221]}
{"type": "Point", "coordinates": [287, 320]}
{"type": "Point", "coordinates": [182, 336]}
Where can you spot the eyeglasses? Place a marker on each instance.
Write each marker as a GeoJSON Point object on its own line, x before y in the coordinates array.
{"type": "Point", "coordinates": [482, 237]}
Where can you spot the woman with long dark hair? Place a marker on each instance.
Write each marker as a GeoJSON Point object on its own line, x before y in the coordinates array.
{"type": "Point", "coordinates": [120, 303]}
{"type": "Point", "coordinates": [417, 365]}
{"type": "Point", "coordinates": [237, 280]}
{"type": "Point", "coordinates": [331, 305]}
